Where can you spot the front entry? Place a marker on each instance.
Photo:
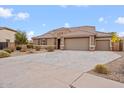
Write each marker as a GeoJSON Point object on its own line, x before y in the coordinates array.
{"type": "Point", "coordinates": [59, 42]}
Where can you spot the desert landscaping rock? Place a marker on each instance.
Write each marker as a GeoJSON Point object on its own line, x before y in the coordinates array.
{"type": "Point", "coordinates": [50, 69]}
{"type": "Point", "coordinates": [116, 69]}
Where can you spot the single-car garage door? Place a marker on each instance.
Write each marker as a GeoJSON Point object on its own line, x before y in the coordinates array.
{"type": "Point", "coordinates": [77, 43]}
{"type": "Point", "coordinates": [103, 45]}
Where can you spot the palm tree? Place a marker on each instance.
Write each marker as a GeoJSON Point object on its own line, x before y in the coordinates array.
{"type": "Point", "coordinates": [21, 38]}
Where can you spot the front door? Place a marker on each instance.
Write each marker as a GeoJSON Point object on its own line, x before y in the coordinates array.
{"type": "Point", "coordinates": [59, 42]}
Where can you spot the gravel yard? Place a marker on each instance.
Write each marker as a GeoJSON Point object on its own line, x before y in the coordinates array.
{"type": "Point", "coordinates": [117, 69]}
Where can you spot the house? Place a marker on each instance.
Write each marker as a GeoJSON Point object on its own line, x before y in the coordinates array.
{"type": "Point", "coordinates": [76, 38]}
{"type": "Point", "coordinates": [7, 37]}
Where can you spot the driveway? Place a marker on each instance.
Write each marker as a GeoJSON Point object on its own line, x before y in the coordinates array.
{"type": "Point", "coordinates": [50, 69]}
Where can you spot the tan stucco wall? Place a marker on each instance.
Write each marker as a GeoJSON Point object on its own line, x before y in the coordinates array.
{"type": "Point", "coordinates": [35, 41]}
{"type": "Point", "coordinates": [51, 41]}
{"type": "Point", "coordinates": [102, 38]}
{"type": "Point", "coordinates": [7, 34]}
{"type": "Point", "coordinates": [92, 42]}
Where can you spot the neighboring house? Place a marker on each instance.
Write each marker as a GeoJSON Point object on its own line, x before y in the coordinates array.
{"type": "Point", "coordinates": [7, 37]}
{"type": "Point", "coordinates": [76, 38]}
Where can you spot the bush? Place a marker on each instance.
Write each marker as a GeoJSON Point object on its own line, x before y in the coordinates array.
{"type": "Point", "coordinates": [37, 48]}
{"type": "Point", "coordinates": [29, 46]}
{"type": "Point", "coordinates": [4, 54]}
{"type": "Point", "coordinates": [18, 47]}
{"type": "Point", "coordinates": [100, 68]}
{"type": "Point", "coordinates": [12, 49]}
{"type": "Point", "coordinates": [8, 50]}
{"type": "Point", "coordinates": [23, 48]}
{"type": "Point", "coordinates": [50, 48]}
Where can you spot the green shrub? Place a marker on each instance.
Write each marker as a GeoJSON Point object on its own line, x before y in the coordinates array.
{"type": "Point", "coordinates": [50, 48]}
{"type": "Point", "coordinates": [8, 50]}
{"type": "Point", "coordinates": [29, 46]}
{"type": "Point", "coordinates": [37, 48]}
{"type": "Point", "coordinates": [100, 68]}
{"type": "Point", "coordinates": [18, 47]}
{"type": "Point", "coordinates": [4, 54]}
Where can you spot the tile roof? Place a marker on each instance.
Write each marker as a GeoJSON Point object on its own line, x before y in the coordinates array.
{"type": "Point", "coordinates": [8, 29]}
{"type": "Point", "coordinates": [103, 34]}
{"type": "Point", "coordinates": [75, 32]}
{"type": "Point", "coordinates": [79, 34]}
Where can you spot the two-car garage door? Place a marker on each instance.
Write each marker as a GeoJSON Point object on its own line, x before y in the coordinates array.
{"type": "Point", "coordinates": [77, 43]}
{"type": "Point", "coordinates": [83, 44]}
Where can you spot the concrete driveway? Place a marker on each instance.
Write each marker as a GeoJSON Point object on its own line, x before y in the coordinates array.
{"type": "Point", "coordinates": [50, 69]}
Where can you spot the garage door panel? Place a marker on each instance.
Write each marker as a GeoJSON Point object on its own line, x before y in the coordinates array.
{"type": "Point", "coordinates": [77, 43]}
{"type": "Point", "coordinates": [103, 45]}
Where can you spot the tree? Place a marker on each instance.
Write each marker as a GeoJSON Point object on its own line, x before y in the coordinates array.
{"type": "Point", "coordinates": [115, 37]}
{"type": "Point", "coordinates": [21, 37]}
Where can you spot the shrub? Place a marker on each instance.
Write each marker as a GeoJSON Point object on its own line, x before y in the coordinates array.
{"type": "Point", "coordinates": [8, 50]}
{"type": "Point", "coordinates": [23, 48]}
{"type": "Point", "coordinates": [18, 47]}
{"type": "Point", "coordinates": [50, 48]}
{"type": "Point", "coordinates": [100, 68]}
{"type": "Point", "coordinates": [4, 54]}
{"type": "Point", "coordinates": [37, 48]}
{"type": "Point", "coordinates": [12, 49]}
{"type": "Point", "coordinates": [29, 46]}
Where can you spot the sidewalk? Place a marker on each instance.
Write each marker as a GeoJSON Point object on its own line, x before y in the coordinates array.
{"type": "Point", "coordinates": [92, 81]}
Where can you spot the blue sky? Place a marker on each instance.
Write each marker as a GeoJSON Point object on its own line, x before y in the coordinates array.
{"type": "Point", "coordinates": [36, 20]}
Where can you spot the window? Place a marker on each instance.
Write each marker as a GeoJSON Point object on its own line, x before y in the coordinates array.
{"type": "Point", "coordinates": [7, 40]}
{"type": "Point", "coordinates": [44, 42]}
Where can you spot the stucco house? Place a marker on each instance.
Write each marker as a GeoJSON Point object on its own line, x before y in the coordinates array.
{"type": "Point", "coordinates": [76, 38]}
{"type": "Point", "coordinates": [7, 37]}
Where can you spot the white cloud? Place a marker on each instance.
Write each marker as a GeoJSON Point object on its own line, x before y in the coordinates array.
{"type": "Point", "coordinates": [30, 34]}
{"type": "Point", "coordinates": [63, 6]}
{"type": "Point", "coordinates": [21, 16]}
{"type": "Point", "coordinates": [43, 25]}
{"type": "Point", "coordinates": [121, 34]}
{"type": "Point", "coordinates": [66, 25]}
{"type": "Point", "coordinates": [120, 20]}
{"type": "Point", "coordinates": [85, 6]}
{"type": "Point", "coordinates": [6, 12]}
{"type": "Point", "coordinates": [101, 19]}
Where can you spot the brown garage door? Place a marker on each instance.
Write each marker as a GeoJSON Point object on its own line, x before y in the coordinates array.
{"type": "Point", "coordinates": [77, 43]}
{"type": "Point", "coordinates": [103, 45]}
